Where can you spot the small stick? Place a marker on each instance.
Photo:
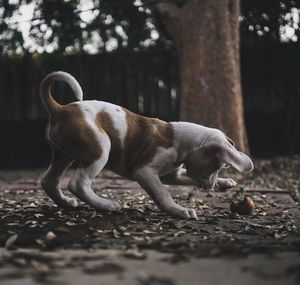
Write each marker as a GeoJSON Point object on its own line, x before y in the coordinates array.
{"type": "Point", "coordinates": [262, 191]}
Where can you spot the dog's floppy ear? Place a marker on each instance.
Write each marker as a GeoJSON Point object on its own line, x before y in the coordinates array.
{"type": "Point", "coordinates": [237, 159]}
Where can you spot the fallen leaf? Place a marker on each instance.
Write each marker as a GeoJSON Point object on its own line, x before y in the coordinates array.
{"type": "Point", "coordinates": [10, 241]}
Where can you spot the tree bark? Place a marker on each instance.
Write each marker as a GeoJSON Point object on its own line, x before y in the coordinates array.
{"type": "Point", "coordinates": [206, 35]}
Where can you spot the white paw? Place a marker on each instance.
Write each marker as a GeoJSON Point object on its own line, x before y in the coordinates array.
{"type": "Point", "coordinates": [68, 203]}
{"type": "Point", "coordinates": [112, 206]}
{"type": "Point", "coordinates": [73, 202]}
{"type": "Point", "coordinates": [225, 183]}
{"type": "Point", "coordinates": [185, 213]}
{"type": "Point", "coordinates": [231, 182]}
{"type": "Point", "coordinates": [192, 214]}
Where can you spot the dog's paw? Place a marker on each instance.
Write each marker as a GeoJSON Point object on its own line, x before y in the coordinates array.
{"type": "Point", "coordinates": [225, 183]}
{"type": "Point", "coordinates": [191, 214]}
{"type": "Point", "coordinates": [114, 206]}
{"type": "Point", "coordinates": [73, 202]}
{"type": "Point", "coordinates": [111, 206]}
{"type": "Point", "coordinates": [185, 213]}
{"type": "Point", "coordinates": [68, 203]}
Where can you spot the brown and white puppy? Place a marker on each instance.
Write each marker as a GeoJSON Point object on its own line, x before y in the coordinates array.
{"type": "Point", "coordinates": [97, 135]}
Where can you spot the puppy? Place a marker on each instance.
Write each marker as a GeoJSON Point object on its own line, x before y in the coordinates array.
{"type": "Point", "coordinates": [97, 135]}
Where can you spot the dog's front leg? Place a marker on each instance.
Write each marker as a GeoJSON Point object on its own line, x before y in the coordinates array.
{"type": "Point", "coordinates": [178, 177]}
{"type": "Point", "coordinates": [148, 178]}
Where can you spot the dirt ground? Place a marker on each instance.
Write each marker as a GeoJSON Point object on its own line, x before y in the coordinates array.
{"type": "Point", "coordinates": [42, 244]}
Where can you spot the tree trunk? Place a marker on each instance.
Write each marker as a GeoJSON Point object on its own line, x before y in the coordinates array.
{"type": "Point", "coordinates": [206, 35]}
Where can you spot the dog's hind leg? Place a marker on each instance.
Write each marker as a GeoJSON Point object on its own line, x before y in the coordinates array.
{"type": "Point", "coordinates": [81, 182]}
{"type": "Point", "coordinates": [81, 186]}
{"type": "Point", "coordinates": [50, 182]}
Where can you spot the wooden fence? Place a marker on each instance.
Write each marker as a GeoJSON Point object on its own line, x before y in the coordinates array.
{"type": "Point", "coordinates": [146, 83]}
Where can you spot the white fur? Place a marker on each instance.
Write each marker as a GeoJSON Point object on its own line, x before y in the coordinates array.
{"type": "Point", "coordinates": [67, 78]}
{"type": "Point", "coordinates": [91, 108]}
{"type": "Point", "coordinates": [149, 177]}
{"type": "Point", "coordinates": [81, 181]}
{"type": "Point", "coordinates": [190, 137]}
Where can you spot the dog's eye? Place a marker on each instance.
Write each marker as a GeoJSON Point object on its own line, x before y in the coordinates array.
{"type": "Point", "coordinates": [226, 166]}
{"type": "Point", "coordinates": [230, 141]}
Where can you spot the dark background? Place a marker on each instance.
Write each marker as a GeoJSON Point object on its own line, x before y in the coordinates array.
{"type": "Point", "coordinates": [146, 81]}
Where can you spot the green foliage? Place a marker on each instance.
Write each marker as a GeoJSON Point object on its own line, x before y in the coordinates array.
{"type": "Point", "coordinates": [267, 21]}
{"type": "Point", "coordinates": [10, 37]}
{"type": "Point", "coordinates": [69, 26]}
{"type": "Point", "coordinates": [101, 25]}
{"type": "Point", "coordinates": [61, 18]}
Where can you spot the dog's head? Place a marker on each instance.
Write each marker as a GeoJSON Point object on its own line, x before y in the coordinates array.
{"type": "Point", "coordinates": [204, 163]}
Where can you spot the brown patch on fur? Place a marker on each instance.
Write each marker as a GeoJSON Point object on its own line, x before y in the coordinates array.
{"type": "Point", "coordinates": [143, 137]}
{"type": "Point", "coordinates": [105, 122]}
{"type": "Point", "coordinates": [204, 161]}
{"type": "Point", "coordinates": [203, 165]}
{"type": "Point", "coordinates": [69, 131]}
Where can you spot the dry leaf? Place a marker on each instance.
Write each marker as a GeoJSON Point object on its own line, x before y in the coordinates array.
{"type": "Point", "coordinates": [10, 241]}
{"type": "Point", "coordinates": [50, 236]}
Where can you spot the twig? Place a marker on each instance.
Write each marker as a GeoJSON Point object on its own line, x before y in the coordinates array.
{"type": "Point", "coordinates": [262, 191]}
{"type": "Point", "coordinates": [254, 224]}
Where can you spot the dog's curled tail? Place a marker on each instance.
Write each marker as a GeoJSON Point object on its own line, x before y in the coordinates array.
{"type": "Point", "coordinates": [45, 89]}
